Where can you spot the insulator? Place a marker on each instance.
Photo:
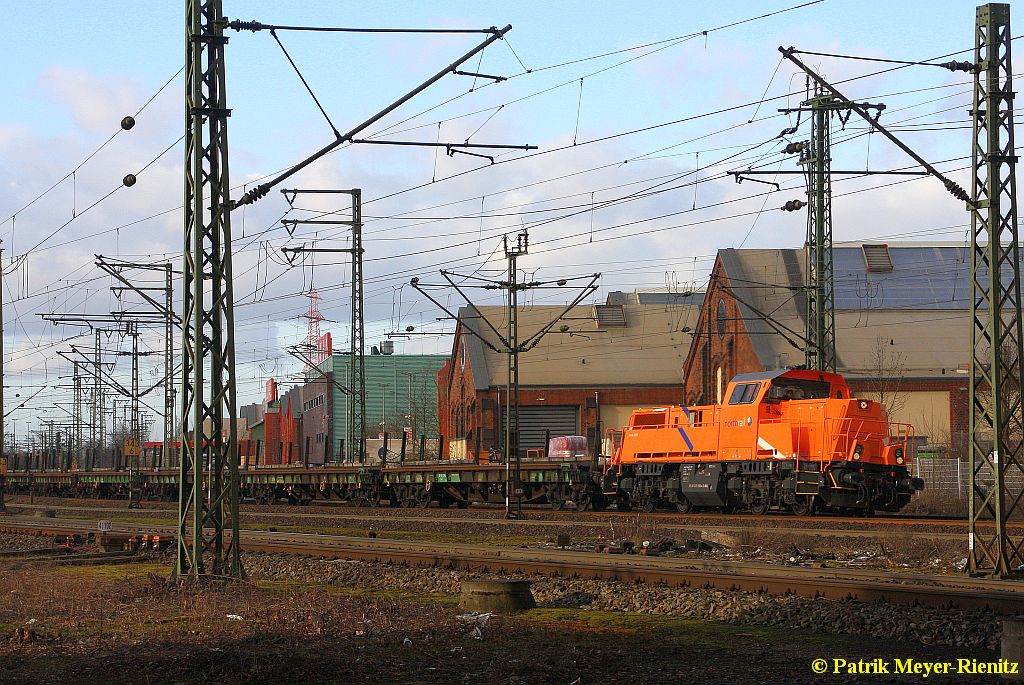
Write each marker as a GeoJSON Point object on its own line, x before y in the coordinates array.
{"type": "Point", "coordinates": [414, 282]}
{"type": "Point", "coordinates": [794, 205]}
{"type": "Point", "coordinates": [128, 123]}
{"type": "Point", "coordinates": [795, 148]}
{"type": "Point", "coordinates": [129, 180]}
{"type": "Point", "coordinates": [969, 67]}
{"type": "Point", "coordinates": [253, 26]}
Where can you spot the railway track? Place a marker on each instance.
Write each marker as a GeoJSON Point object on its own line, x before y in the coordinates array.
{"type": "Point", "coordinates": [1003, 597]}
{"type": "Point", "coordinates": [596, 522]}
{"type": "Point", "coordinates": [542, 513]}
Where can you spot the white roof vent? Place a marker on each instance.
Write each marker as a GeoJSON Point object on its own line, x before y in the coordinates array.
{"type": "Point", "coordinates": [610, 316]}
{"type": "Point", "coordinates": [877, 257]}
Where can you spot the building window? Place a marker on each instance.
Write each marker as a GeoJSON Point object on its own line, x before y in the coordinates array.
{"type": "Point", "coordinates": [722, 317]}
{"type": "Point", "coordinates": [730, 362]}
{"type": "Point", "coordinates": [705, 370]}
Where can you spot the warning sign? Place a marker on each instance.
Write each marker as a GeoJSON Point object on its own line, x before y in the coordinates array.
{"type": "Point", "coordinates": [132, 448]}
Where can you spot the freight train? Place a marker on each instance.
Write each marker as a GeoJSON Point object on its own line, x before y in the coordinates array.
{"type": "Point", "coordinates": [788, 440]}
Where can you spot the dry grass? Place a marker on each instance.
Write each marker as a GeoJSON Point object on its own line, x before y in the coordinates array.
{"type": "Point", "coordinates": [936, 503]}
{"type": "Point", "coordinates": [127, 624]}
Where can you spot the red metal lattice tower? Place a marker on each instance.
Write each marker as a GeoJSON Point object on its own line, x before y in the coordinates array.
{"type": "Point", "coordinates": [313, 318]}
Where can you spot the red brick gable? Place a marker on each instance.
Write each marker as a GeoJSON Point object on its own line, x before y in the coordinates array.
{"type": "Point", "coordinates": [721, 341]}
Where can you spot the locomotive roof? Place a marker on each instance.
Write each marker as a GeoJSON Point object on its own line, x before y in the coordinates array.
{"type": "Point", "coordinates": [759, 376]}
{"type": "Point", "coordinates": [792, 373]}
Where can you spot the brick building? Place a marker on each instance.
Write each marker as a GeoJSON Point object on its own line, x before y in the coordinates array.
{"type": "Point", "coordinates": [902, 316]}
{"type": "Point", "coordinates": [589, 372]}
{"type": "Point", "coordinates": [273, 427]}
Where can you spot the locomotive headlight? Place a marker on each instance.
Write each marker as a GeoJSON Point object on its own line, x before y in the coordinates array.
{"type": "Point", "coordinates": [863, 404]}
{"type": "Point", "coordinates": [899, 460]}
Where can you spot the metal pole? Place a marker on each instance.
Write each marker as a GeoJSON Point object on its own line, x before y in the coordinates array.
{"type": "Point", "coordinates": [165, 458]}
{"type": "Point", "coordinates": [77, 416]}
{"type": "Point", "coordinates": [3, 453]}
{"type": "Point", "coordinates": [820, 353]}
{"type": "Point", "coordinates": [997, 339]}
{"type": "Point", "coordinates": [512, 381]}
{"type": "Point", "coordinates": [207, 511]}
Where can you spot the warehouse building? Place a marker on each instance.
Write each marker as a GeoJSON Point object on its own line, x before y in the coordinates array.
{"type": "Point", "coordinates": [902, 314]}
{"type": "Point", "coordinates": [588, 373]}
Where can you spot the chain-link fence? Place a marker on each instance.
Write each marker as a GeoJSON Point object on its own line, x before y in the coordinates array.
{"type": "Point", "coordinates": [951, 476]}
{"type": "Point", "coordinates": [943, 474]}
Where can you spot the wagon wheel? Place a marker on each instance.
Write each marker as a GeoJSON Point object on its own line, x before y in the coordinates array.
{"type": "Point", "coordinates": [803, 505]}
{"type": "Point", "coordinates": [422, 498]}
{"type": "Point", "coordinates": [683, 505]}
{"type": "Point", "coordinates": [406, 497]}
{"type": "Point", "coordinates": [555, 499]}
{"type": "Point", "coordinates": [648, 504]}
{"type": "Point", "coordinates": [583, 502]}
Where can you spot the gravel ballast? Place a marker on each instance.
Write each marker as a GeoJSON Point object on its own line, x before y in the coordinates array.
{"type": "Point", "coordinates": [926, 625]}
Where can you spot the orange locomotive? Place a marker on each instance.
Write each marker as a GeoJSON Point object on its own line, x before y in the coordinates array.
{"type": "Point", "coordinates": [784, 439]}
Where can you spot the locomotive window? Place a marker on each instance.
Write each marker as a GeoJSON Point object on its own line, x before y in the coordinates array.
{"type": "Point", "coordinates": [649, 419]}
{"type": "Point", "coordinates": [744, 393]}
{"type": "Point", "coordinates": [797, 389]}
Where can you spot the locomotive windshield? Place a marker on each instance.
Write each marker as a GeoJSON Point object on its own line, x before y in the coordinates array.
{"type": "Point", "coordinates": [796, 389]}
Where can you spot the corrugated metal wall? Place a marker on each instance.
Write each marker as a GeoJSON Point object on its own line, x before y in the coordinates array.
{"type": "Point", "coordinates": [534, 423]}
{"type": "Point", "coordinates": [397, 386]}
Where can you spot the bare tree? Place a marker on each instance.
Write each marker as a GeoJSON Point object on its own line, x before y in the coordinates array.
{"type": "Point", "coordinates": [887, 372]}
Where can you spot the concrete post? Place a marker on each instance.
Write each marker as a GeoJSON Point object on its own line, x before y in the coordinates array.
{"type": "Point", "coordinates": [1012, 645]}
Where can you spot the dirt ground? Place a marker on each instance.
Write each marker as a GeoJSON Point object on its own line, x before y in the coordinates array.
{"type": "Point", "coordinates": [127, 624]}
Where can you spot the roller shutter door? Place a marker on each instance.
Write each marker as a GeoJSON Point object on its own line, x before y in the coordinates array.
{"type": "Point", "coordinates": [534, 423]}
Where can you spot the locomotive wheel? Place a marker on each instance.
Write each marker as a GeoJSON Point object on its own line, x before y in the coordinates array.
{"type": "Point", "coordinates": [623, 505]}
{"type": "Point", "coordinates": [803, 505]}
{"type": "Point", "coordinates": [683, 506]}
{"type": "Point", "coordinates": [462, 504]}
{"type": "Point", "coordinates": [760, 507]}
